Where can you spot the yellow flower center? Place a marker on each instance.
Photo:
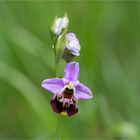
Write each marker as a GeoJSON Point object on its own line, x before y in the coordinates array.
{"type": "Point", "coordinates": [71, 85]}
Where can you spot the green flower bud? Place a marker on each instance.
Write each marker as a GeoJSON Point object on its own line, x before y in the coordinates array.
{"type": "Point", "coordinates": [59, 24]}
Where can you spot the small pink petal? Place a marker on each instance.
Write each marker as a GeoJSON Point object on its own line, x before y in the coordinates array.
{"type": "Point", "coordinates": [82, 92]}
{"type": "Point", "coordinates": [72, 71]}
{"type": "Point", "coordinates": [54, 85]}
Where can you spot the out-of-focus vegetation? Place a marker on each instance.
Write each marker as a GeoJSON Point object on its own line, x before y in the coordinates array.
{"type": "Point", "coordinates": [109, 34]}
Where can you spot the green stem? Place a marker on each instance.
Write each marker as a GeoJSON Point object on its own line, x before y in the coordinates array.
{"type": "Point", "coordinates": [58, 132]}
{"type": "Point", "coordinates": [56, 68]}
{"type": "Point", "coordinates": [56, 62]}
{"type": "Point", "coordinates": [58, 136]}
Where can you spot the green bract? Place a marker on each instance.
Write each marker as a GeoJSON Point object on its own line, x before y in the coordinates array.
{"type": "Point", "coordinates": [60, 46]}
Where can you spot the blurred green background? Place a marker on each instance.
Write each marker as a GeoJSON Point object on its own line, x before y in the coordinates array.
{"type": "Point", "coordinates": [109, 34]}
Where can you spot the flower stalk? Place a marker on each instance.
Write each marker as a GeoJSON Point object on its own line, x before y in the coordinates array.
{"type": "Point", "coordinates": [67, 91]}
{"type": "Point", "coordinates": [58, 137]}
{"type": "Point", "coordinates": [58, 130]}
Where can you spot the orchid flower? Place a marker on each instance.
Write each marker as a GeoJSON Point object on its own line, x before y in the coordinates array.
{"type": "Point", "coordinates": [67, 91]}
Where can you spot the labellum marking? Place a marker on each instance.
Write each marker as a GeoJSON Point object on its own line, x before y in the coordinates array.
{"type": "Point", "coordinates": [68, 93]}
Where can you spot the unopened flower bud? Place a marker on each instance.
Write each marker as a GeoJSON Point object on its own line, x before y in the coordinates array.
{"type": "Point", "coordinates": [72, 47]}
{"type": "Point", "coordinates": [73, 44]}
{"type": "Point", "coordinates": [59, 24]}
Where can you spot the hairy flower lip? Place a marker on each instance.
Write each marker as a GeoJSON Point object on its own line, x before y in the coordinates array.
{"type": "Point", "coordinates": [60, 107]}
